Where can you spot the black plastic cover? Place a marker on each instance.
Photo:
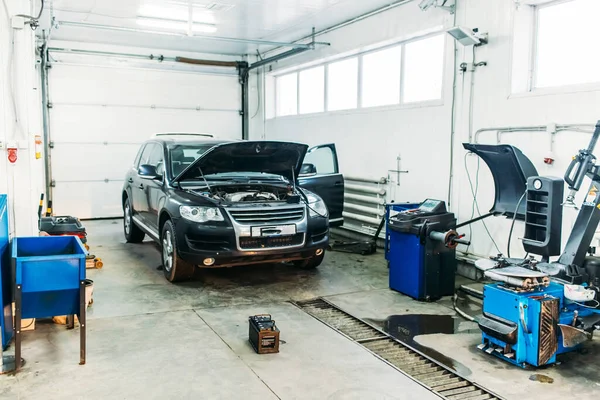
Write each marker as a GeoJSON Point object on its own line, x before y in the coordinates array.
{"type": "Point", "coordinates": [499, 328]}
{"type": "Point", "coordinates": [422, 224]}
{"type": "Point", "coordinates": [510, 169]}
{"type": "Point", "coordinates": [61, 225]}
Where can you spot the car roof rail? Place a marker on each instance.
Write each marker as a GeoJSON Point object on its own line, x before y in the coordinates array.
{"type": "Point", "coordinates": [207, 135]}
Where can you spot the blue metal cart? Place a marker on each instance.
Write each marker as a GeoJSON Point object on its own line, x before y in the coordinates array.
{"type": "Point", "coordinates": [49, 275]}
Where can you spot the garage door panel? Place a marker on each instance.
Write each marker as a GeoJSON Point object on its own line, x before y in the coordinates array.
{"type": "Point", "coordinates": [101, 85]}
{"type": "Point", "coordinates": [88, 199]}
{"type": "Point", "coordinates": [92, 124]}
{"type": "Point", "coordinates": [92, 162]}
{"type": "Point", "coordinates": [100, 116]}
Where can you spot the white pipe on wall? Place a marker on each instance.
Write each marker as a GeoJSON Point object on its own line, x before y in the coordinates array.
{"type": "Point", "coordinates": [364, 189]}
{"type": "Point", "coordinates": [364, 199]}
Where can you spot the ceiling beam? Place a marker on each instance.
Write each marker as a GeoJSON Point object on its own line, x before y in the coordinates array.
{"type": "Point", "coordinates": [205, 37]}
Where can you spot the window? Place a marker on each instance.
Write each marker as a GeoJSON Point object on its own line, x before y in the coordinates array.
{"type": "Point", "coordinates": [381, 78]}
{"type": "Point", "coordinates": [406, 72]}
{"type": "Point", "coordinates": [342, 85]}
{"type": "Point", "coordinates": [147, 153]}
{"type": "Point", "coordinates": [287, 95]}
{"type": "Point", "coordinates": [423, 70]}
{"type": "Point", "coordinates": [156, 158]}
{"type": "Point", "coordinates": [567, 36]}
{"type": "Point", "coordinates": [136, 163]}
{"type": "Point", "coordinates": [322, 161]}
{"type": "Point", "coordinates": [182, 156]}
{"type": "Point", "coordinates": [312, 90]}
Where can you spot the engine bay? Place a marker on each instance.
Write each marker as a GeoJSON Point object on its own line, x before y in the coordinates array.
{"type": "Point", "coordinates": [251, 193]}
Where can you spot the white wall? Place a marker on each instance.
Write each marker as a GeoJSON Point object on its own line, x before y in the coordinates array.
{"type": "Point", "coordinates": [370, 140]}
{"type": "Point", "coordinates": [20, 120]}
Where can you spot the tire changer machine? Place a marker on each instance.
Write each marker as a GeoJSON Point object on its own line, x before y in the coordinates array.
{"type": "Point", "coordinates": [538, 309]}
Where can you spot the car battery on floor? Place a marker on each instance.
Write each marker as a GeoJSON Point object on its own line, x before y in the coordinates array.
{"type": "Point", "coordinates": [263, 334]}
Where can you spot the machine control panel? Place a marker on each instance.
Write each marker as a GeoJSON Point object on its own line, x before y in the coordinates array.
{"type": "Point", "coordinates": [432, 206]}
{"type": "Point", "coordinates": [428, 207]}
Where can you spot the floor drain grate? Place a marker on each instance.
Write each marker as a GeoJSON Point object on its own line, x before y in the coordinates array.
{"type": "Point", "coordinates": [419, 367]}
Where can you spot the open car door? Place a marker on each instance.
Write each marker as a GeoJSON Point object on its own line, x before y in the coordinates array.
{"type": "Point", "coordinates": [320, 174]}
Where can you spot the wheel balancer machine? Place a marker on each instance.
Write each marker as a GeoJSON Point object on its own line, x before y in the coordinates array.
{"type": "Point", "coordinates": [539, 309]}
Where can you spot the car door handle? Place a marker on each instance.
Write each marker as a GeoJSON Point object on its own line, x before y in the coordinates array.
{"type": "Point", "coordinates": [141, 186]}
{"type": "Point", "coordinates": [338, 184]}
{"type": "Point", "coordinates": [130, 180]}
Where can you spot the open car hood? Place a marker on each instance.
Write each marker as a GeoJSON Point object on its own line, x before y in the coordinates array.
{"type": "Point", "coordinates": [279, 158]}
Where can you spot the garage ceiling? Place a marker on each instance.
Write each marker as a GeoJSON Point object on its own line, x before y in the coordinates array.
{"type": "Point", "coordinates": [275, 20]}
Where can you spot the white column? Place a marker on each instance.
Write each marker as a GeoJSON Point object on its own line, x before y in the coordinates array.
{"type": "Point", "coordinates": [20, 117]}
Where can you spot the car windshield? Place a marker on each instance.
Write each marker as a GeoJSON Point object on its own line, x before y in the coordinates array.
{"type": "Point", "coordinates": [183, 155]}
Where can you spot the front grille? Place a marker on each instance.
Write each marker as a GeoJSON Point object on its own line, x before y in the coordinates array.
{"type": "Point", "coordinates": [548, 340]}
{"type": "Point", "coordinates": [271, 242]}
{"type": "Point", "coordinates": [268, 215]}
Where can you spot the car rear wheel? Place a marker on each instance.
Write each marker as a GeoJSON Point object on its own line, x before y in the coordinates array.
{"type": "Point", "coordinates": [174, 268]}
{"type": "Point", "coordinates": [310, 263]}
{"type": "Point", "coordinates": [133, 234]}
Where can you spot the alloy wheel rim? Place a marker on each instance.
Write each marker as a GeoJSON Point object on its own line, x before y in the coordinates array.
{"type": "Point", "coordinates": [127, 220]}
{"type": "Point", "coordinates": [167, 251]}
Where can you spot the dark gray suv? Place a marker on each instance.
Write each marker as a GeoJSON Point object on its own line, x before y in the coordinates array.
{"type": "Point", "coordinates": [211, 203]}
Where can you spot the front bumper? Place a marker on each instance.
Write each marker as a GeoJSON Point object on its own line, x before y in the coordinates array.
{"type": "Point", "coordinates": [197, 242]}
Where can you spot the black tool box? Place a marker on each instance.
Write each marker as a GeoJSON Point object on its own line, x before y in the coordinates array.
{"type": "Point", "coordinates": [263, 334]}
{"type": "Point", "coordinates": [63, 226]}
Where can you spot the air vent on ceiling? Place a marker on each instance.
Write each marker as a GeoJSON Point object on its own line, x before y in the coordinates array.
{"type": "Point", "coordinates": [219, 7]}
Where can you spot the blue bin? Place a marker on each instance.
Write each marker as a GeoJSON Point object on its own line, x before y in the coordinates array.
{"type": "Point", "coordinates": [49, 270]}
{"type": "Point", "coordinates": [49, 276]}
{"type": "Point", "coordinates": [6, 298]}
{"type": "Point", "coordinates": [397, 207]}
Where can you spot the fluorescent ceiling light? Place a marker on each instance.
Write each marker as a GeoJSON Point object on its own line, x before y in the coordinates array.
{"type": "Point", "coordinates": [173, 25]}
{"type": "Point", "coordinates": [176, 12]}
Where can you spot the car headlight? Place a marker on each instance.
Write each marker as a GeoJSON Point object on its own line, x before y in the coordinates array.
{"type": "Point", "coordinates": [316, 206]}
{"type": "Point", "coordinates": [201, 214]}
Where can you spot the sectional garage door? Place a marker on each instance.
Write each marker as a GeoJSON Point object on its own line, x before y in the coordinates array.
{"type": "Point", "coordinates": [100, 115]}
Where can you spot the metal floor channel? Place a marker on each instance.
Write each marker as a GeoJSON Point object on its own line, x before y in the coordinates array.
{"type": "Point", "coordinates": [412, 363]}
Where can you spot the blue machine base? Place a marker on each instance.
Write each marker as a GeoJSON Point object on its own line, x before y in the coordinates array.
{"type": "Point", "coordinates": [524, 309]}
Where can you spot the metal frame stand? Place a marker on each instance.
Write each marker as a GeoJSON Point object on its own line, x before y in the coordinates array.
{"type": "Point", "coordinates": [18, 303]}
{"type": "Point", "coordinates": [82, 323]}
{"type": "Point", "coordinates": [15, 363]}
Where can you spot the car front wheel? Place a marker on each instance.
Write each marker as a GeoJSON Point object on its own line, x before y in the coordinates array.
{"type": "Point", "coordinates": [133, 234]}
{"type": "Point", "coordinates": [174, 268]}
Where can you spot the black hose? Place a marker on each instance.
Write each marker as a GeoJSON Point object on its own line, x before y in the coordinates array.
{"type": "Point", "coordinates": [471, 292]}
{"type": "Point", "coordinates": [461, 312]}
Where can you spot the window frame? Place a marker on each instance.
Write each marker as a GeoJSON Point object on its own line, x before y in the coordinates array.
{"type": "Point", "coordinates": [358, 80]}
{"type": "Point", "coordinates": [532, 88]}
{"type": "Point", "coordinates": [276, 87]}
{"type": "Point", "coordinates": [298, 92]}
{"type": "Point", "coordinates": [359, 55]}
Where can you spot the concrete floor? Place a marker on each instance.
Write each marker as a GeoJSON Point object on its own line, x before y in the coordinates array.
{"type": "Point", "coordinates": [148, 338]}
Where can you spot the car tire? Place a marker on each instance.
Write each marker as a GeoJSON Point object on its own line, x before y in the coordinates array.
{"type": "Point", "coordinates": [310, 263]}
{"type": "Point", "coordinates": [133, 234]}
{"type": "Point", "coordinates": [174, 267]}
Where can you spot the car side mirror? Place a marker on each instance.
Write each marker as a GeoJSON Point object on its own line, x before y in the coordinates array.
{"type": "Point", "coordinates": [148, 171]}
{"type": "Point", "coordinates": [308, 169]}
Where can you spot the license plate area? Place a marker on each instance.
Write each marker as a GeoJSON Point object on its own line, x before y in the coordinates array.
{"type": "Point", "coordinates": [273, 231]}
